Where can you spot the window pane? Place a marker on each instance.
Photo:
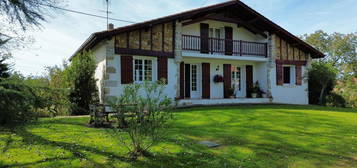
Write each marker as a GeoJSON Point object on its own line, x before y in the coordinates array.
{"type": "Point", "coordinates": [148, 70]}
{"type": "Point", "coordinates": [287, 75]}
{"type": "Point", "coordinates": [138, 70]}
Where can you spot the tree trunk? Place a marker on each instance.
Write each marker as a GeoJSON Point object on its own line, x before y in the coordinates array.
{"type": "Point", "coordinates": [322, 94]}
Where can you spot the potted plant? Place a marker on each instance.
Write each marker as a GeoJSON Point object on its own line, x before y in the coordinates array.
{"type": "Point", "coordinates": [218, 78]}
{"type": "Point", "coordinates": [256, 91]}
{"type": "Point", "coordinates": [231, 92]}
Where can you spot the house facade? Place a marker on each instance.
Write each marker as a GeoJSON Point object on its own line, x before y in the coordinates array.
{"type": "Point", "coordinates": [211, 55]}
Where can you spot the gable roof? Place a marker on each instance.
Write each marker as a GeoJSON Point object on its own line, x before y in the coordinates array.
{"type": "Point", "coordinates": [260, 20]}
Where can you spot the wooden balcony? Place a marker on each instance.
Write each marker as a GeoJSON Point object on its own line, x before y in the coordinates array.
{"type": "Point", "coordinates": [224, 46]}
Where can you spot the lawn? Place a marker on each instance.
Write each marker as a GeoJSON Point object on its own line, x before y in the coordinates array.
{"type": "Point", "coordinates": [249, 135]}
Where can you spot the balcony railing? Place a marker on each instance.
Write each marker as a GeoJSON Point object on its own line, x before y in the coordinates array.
{"type": "Point", "coordinates": [224, 46]}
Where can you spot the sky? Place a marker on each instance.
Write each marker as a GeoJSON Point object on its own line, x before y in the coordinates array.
{"type": "Point", "coordinates": [64, 32]}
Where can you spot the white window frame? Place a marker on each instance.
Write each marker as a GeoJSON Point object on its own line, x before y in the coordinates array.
{"type": "Point", "coordinates": [143, 70]}
{"type": "Point", "coordinates": [292, 75]}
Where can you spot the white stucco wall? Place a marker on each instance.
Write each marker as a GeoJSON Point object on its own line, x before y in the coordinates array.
{"type": "Point", "coordinates": [117, 90]}
{"type": "Point", "coordinates": [259, 74]}
{"type": "Point", "coordinates": [99, 51]}
{"type": "Point", "coordinates": [289, 94]}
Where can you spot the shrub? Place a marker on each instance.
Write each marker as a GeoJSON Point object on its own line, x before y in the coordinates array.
{"type": "Point", "coordinates": [18, 103]}
{"type": "Point", "coordinates": [146, 123]}
{"type": "Point", "coordinates": [335, 100]}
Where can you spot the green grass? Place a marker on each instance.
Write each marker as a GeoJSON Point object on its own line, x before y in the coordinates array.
{"type": "Point", "coordinates": [250, 136]}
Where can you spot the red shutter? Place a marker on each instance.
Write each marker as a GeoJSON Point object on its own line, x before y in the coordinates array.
{"type": "Point", "coordinates": [162, 68]}
{"type": "Point", "coordinates": [126, 69]}
{"type": "Point", "coordinates": [204, 37]}
{"type": "Point", "coordinates": [249, 80]}
{"type": "Point", "coordinates": [229, 40]}
{"type": "Point", "coordinates": [279, 74]}
{"type": "Point", "coordinates": [227, 79]}
{"type": "Point", "coordinates": [298, 75]}
{"type": "Point", "coordinates": [182, 80]}
{"type": "Point", "coordinates": [206, 81]}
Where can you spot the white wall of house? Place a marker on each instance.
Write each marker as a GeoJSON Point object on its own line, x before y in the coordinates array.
{"type": "Point", "coordinates": [100, 55]}
{"type": "Point", "coordinates": [289, 93]}
{"type": "Point", "coordinates": [216, 68]}
{"type": "Point", "coordinates": [239, 33]}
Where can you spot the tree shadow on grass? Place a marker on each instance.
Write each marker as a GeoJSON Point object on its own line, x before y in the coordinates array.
{"type": "Point", "coordinates": [77, 150]}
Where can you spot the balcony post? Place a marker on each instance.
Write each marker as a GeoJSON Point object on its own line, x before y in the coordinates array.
{"type": "Point", "coordinates": [240, 47]}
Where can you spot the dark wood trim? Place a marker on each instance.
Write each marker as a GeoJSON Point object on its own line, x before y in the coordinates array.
{"type": "Point", "coordinates": [143, 52]}
{"type": "Point", "coordinates": [287, 50]}
{"type": "Point", "coordinates": [140, 40]}
{"type": "Point", "coordinates": [281, 49]}
{"type": "Point", "coordinates": [163, 37]}
{"type": "Point", "coordinates": [227, 80]}
{"type": "Point", "coordinates": [182, 80]}
{"type": "Point", "coordinates": [293, 53]}
{"type": "Point", "coordinates": [127, 39]}
{"type": "Point", "coordinates": [194, 21]}
{"type": "Point", "coordinates": [187, 80]}
{"type": "Point", "coordinates": [151, 42]}
{"type": "Point", "coordinates": [173, 36]}
{"type": "Point", "coordinates": [291, 62]}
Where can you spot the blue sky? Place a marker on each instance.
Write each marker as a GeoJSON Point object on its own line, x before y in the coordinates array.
{"type": "Point", "coordinates": [65, 32]}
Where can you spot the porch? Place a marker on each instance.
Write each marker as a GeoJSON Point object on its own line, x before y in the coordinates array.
{"type": "Point", "coordinates": [197, 102]}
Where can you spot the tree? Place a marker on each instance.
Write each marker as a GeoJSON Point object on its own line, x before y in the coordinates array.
{"type": "Point", "coordinates": [19, 15]}
{"type": "Point", "coordinates": [4, 68]}
{"type": "Point", "coordinates": [322, 78]}
{"type": "Point", "coordinates": [340, 49]}
{"type": "Point", "coordinates": [80, 76]}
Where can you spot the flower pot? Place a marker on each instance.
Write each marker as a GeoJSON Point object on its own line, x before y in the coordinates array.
{"type": "Point", "coordinates": [232, 97]}
{"type": "Point", "coordinates": [254, 95]}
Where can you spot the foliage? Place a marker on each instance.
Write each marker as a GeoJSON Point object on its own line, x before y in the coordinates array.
{"type": "Point", "coordinates": [4, 68]}
{"type": "Point", "coordinates": [292, 136]}
{"type": "Point", "coordinates": [146, 121]}
{"type": "Point", "coordinates": [335, 100]}
{"type": "Point", "coordinates": [256, 89]}
{"type": "Point", "coordinates": [340, 49]}
{"type": "Point", "coordinates": [347, 88]}
{"type": "Point", "coordinates": [322, 78]}
{"type": "Point", "coordinates": [26, 13]}
{"type": "Point", "coordinates": [80, 77]}
{"type": "Point", "coordinates": [18, 103]}
{"type": "Point", "coordinates": [218, 78]}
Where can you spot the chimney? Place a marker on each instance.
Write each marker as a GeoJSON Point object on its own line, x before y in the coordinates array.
{"type": "Point", "coordinates": [110, 26]}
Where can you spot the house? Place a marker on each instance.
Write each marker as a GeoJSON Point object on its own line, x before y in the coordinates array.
{"type": "Point", "coordinates": [229, 42]}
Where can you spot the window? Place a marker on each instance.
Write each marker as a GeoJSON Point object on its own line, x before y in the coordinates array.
{"type": "Point", "coordinates": [236, 77]}
{"type": "Point", "coordinates": [142, 70]}
{"type": "Point", "coordinates": [194, 78]}
{"type": "Point", "coordinates": [289, 74]}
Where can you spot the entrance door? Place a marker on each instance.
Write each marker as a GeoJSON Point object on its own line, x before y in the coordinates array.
{"type": "Point", "coordinates": [192, 81]}
{"type": "Point", "coordinates": [195, 81]}
{"type": "Point", "coordinates": [237, 80]}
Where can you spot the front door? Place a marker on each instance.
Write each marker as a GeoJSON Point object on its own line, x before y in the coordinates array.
{"type": "Point", "coordinates": [249, 80]}
{"type": "Point", "coordinates": [195, 81]}
{"type": "Point", "coordinates": [192, 81]}
{"type": "Point", "coordinates": [237, 80]}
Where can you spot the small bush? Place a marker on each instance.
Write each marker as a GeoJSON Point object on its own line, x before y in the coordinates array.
{"type": "Point", "coordinates": [335, 100]}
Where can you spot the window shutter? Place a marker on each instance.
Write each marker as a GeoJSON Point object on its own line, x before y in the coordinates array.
{"type": "Point", "coordinates": [298, 75]}
{"type": "Point", "coordinates": [126, 69]}
{"type": "Point", "coordinates": [228, 42]}
{"type": "Point", "coordinates": [206, 81]}
{"type": "Point", "coordinates": [182, 80]}
{"type": "Point", "coordinates": [279, 74]}
{"type": "Point", "coordinates": [204, 37]}
{"type": "Point", "coordinates": [227, 79]}
{"type": "Point", "coordinates": [162, 69]}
